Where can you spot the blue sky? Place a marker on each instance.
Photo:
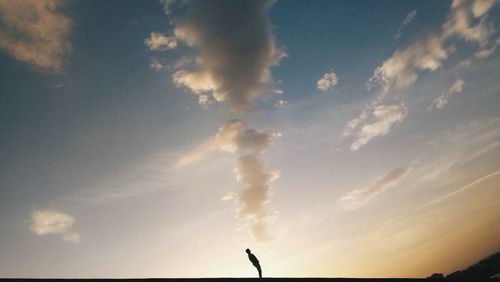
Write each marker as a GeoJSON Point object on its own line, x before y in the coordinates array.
{"type": "Point", "coordinates": [163, 138]}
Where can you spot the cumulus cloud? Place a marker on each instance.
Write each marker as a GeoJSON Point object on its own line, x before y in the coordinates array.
{"type": "Point", "coordinates": [236, 50]}
{"type": "Point", "coordinates": [231, 136]}
{"type": "Point", "coordinates": [361, 196]}
{"type": "Point", "coordinates": [373, 122]}
{"type": "Point", "coordinates": [255, 194]}
{"type": "Point", "coordinates": [45, 222]}
{"type": "Point", "coordinates": [159, 42]}
{"type": "Point", "coordinates": [441, 101]}
{"type": "Point", "coordinates": [250, 171]}
{"type": "Point", "coordinates": [408, 19]}
{"type": "Point", "coordinates": [327, 82]}
{"type": "Point", "coordinates": [35, 32]}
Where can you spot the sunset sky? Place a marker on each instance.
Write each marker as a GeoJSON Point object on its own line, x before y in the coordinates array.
{"type": "Point", "coordinates": [332, 138]}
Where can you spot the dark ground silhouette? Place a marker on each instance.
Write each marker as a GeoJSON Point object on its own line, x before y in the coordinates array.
{"type": "Point", "coordinates": [480, 271]}
{"type": "Point", "coordinates": [485, 268]}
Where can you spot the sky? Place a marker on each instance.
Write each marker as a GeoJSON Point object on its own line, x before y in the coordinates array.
{"type": "Point", "coordinates": [332, 138]}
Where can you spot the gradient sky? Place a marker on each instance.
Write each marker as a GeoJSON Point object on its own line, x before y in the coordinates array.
{"type": "Point", "coordinates": [163, 138]}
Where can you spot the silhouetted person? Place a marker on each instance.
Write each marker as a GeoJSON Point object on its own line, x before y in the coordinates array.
{"type": "Point", "coordinates": [255, 262]}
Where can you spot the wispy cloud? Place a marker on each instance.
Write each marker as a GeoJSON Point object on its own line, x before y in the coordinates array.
{"type": "Point", "coordinates": [35, 32]}
{"type": "Point", "coordinates": [408, 19]}
{"type": "Point", "coordinates": [153, 175]}
{"type": "Point", "coordinates": [234, 60]}
{"type": "Point", "coordinates": [231, 136]}
{"type": "Point", "coordinates": [441, 101]}
{"type": "Point", "coordinates": [359, 197]}
{"type": "Point", "coordinates": [467, 21]}
{"type": "Point", "coordinates": [46, 222]}
{"type": "Point", "coordinates": [373, 122]}
{"type": "Point", "coordinates": [327, 81]}
{"type": "Point", "coordinates": [460, 190]}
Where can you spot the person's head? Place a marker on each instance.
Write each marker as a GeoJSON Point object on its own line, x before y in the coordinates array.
{"type": "Point", "coordinates": [247, 250]}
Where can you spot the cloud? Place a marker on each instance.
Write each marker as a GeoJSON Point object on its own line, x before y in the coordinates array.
{"type": "Point", "coordinates": [250, 171]}
{"type": "Point", "coordinates": [159, 42]}
{"type": "Point", "coordinates": [373, 122]}
{"type": "Point", "coordinates": [231, 136]}
{"type": "Point", "coordinates": [480, 7]}
{"type": "Point", "coordinates": [359, 197]}
{"type": "Point", "coordinates": [460, 190]}
{"type": "Point", "coordinates": [408, 19]}
{"type": "Point", "coordinates": [35, 32]}
{"type": "Point", "coordinates": [45, 222]}
{"type": "Point", "coordinates": [467, 21]}
{"type": "Point", "coordinates": [255, 194]}
{"type": "Point", "coordinates": [204, 101]}
{"type": "Point", "coordinates": [281, 103]}
{"type": "Point", "coordinates": [487, 51]}
{"type": "Point", "coordinates": [236, 50]}
{"type": "Point", "coordinates": [441, 101]}
{"type": "Point", "coordinates": [327, 82]}
{"type": "Point", "coordinates": [400, 70]}
{"type": "Point", "coordinates": [155, 64]}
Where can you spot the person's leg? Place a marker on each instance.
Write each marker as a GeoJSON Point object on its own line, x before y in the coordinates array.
{"type": "Point", "coordinates": [260, 270]}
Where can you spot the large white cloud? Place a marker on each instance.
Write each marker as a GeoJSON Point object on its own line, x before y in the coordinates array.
{"type": "Point", "coordinates": [359, 197]}
{"type": "Point", "coordinates": [35, 32]}
{"type": "Point", "coordinates": [236, 50]}
{"type": "Point", "coordinates": [46, 222]}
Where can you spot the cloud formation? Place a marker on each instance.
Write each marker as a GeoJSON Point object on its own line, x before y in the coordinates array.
{"type": "Point", "coordinates": [255, 194]}
{"type": "Point", "coordinates": [236, 50]}
{"type": "Point", "coordinates": [359, 197]}
{"type": "Point", "coordinates": [327, 82]}
{"type": "Point", "coordinates": [408, 19]}
{"type": "Point", "coordinates": [441, 101]}
{"type": "Point", "coordinates": [231, 136]}
{"type": "Point", "coordinates": [35, 32]}
{"type": "Point", "coordinates": [160, 42]}
{"type": "Point", "coordinates": [45, 222]}
{"type": "Point", "coordinates": [281, 103]}
{"type": "Point", "coordinates": [234, 135]}
{"type": "Point", "coordinates": [467, 21]}
{"type": "Point", "coordinates": [373, 122]}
